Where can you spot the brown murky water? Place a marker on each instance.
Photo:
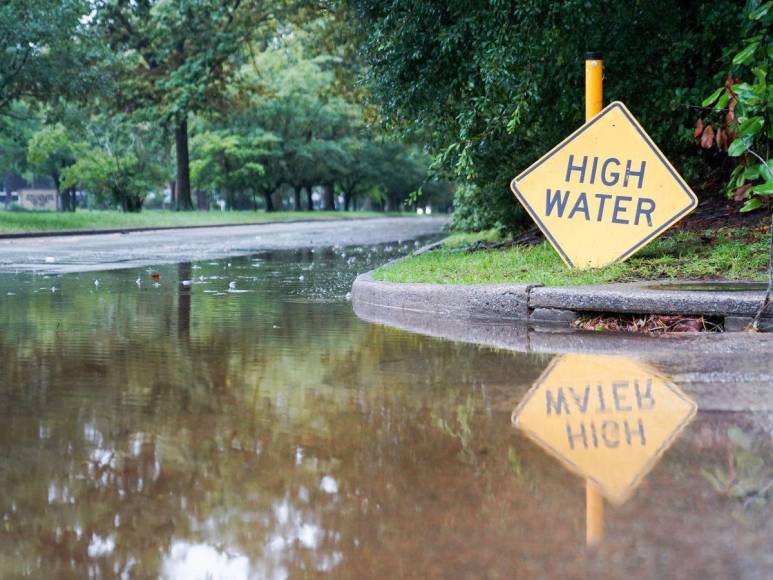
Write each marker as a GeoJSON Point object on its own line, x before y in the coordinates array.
{"type": "Point", "coordinates": [248, 425]}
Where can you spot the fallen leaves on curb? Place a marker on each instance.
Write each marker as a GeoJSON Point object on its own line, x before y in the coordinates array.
{"type": "Point", "coordinates": [649, 323]}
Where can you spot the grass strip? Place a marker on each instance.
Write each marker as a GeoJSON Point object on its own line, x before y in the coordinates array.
{"type": "Point", "coordinates": [47, 221]}
{"type": "Point", "coordinates": [726, 253]}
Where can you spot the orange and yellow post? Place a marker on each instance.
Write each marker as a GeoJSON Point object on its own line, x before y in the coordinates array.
{"type": "Point", "coordinates": [594, 102]}
{"type": "Point", "coordinates": [594, 84]}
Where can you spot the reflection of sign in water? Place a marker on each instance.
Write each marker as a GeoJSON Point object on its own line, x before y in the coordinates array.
{"type": "Point", "coordinates": [603, 192]}
{"type": "Point", "coordinates": [607, 418]}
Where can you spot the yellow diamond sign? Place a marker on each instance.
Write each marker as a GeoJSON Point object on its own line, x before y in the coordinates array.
{"type": "Point", "coordinates": [607, 418]}
{"type": "Point", "coordinates": [604, 192]}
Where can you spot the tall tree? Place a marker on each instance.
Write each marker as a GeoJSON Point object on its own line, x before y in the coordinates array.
{"type": "Point", "coordinates": [176, 57]}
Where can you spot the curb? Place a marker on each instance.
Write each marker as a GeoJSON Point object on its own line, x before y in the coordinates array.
{"type": "Point", "coordinates": [64, 233]}
{"type": "Point", "coordinates": [480, 301]}
{"type": "Point", "coordinates": [557, 307]}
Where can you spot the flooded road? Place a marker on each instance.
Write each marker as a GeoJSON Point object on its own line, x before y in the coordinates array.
{"type": "Point", "coordinates": [98, 252]}
{"type": "Point", "coordinates": [234, 419]}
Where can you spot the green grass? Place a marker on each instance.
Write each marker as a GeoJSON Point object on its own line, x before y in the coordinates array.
{"type": "Point", "coordinates": [462, 239]}
{"type": "Point", "coordinates": [727, 253]}
{"type": "Point", "coordinates": [45, 221]}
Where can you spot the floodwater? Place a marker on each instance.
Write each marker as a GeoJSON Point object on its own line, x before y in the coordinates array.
{"type": "Point", "coordinates": [234, 419]}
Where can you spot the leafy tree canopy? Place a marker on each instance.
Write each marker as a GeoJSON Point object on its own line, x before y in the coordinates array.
{"type": "Point", "coordinates": [493, 85]}
{"type": "Point", "coordinates": [47, 51]}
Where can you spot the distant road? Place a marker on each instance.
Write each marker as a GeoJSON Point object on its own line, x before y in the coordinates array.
{"type": "Point", "coordinates": [80, 253]}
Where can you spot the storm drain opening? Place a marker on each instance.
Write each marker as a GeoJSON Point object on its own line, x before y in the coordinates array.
{"type": "Point", "coordinates": [647, 323]}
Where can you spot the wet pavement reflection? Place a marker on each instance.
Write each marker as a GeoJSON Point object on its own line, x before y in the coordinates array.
{"type": "Point", "coordinates": [234, 419]}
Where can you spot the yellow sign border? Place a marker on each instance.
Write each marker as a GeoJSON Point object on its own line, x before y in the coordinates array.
{"type": "Point", "coordinates": [693, 200]}
{"type": "Point", "coordinates": [571, 466]}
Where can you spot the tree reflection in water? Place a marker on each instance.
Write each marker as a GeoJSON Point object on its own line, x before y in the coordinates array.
{"type": "Point", "coordinates": [183, 430]}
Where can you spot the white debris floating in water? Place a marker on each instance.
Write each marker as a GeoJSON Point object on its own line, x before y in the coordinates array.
{"type": "Point", "coordinates": [328, 484]}
{"type": "Point", "coordinates": [50, 260]}
{"type": "Point", "coordinates": [232, 285]}
{"type": "Point", "coordinates": [96, 283]}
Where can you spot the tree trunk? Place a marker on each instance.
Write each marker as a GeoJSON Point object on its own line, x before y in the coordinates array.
{"type": "Point", "coordinates": [269, 201]}
{"type": "Point", "coordinates": [172, 194]}
{"type": "Point", "coordinates": [328, 194]}
{"type": "Point", "coordinates": [309, 199]}
{"type": "Point", "coordinates": [72, 199]}
{"type": "Point", "coordinates": [183, 187]}
{"type": "Point", "coordinates": [297, 192]}
{"type": "Point", "coordinates": [202, 200]}
{"type": "Point", "coordinates": [133, 203]}
{"type": "Point", "coordinates": [347, 201]}
{"type": "Point", "coordinates": [184, 274]}
{"type": "Point", "coordinates": [61, 196]}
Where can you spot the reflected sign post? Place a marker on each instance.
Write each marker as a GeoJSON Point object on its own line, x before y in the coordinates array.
{"type": "Point", "coordinates": [608, 419]}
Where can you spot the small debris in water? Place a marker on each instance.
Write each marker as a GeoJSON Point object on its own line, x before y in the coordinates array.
{"type": "Point", "coordinates": [300, 278]}
{"type": "Point", "coordinates": [155, 275]}
{"type": "Point", "coordinates": [328, 485]}
{"type": "Point", "coordinates": [96, 283]}
{"type": "Point", "coordinates": [186, 283]}
{"type": "Point", "coordinates": [50, 260]}
{"type": "Point", "coordinates": [138, 282]}
{"type": "Point", "coordinates": [232, 285]}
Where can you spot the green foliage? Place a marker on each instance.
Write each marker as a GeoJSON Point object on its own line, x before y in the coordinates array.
{"type": "Point", "coordinates": [491, 86]}
{"type": "Point", "coordinates": [748, 476]}
{"type": "Point", "coordinates": [176, 57]}
{"type": "Point", "coordinates": [462, 431]}
{"type": "Point", "coordinates": [16, 129]}
{"type": "Point", "coordinates": [51, 150]}
{"type": "Point", "coordinates": [47, 52]}
{"type": "Point", "coordinates": [228, 162]}
{"type": "Point", "coordinates": [121, 166]}
{"type": "Point", "coordinates": [742, 110]}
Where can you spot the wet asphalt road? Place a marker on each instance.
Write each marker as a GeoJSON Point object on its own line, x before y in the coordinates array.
{"type": "Point", "coordinates": [81, 253]}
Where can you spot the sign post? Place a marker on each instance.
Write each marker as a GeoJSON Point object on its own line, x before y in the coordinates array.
{"type": "Point", "coordinates": [594, 84]}
{"type": "Point", "coordinates": [594, 102]}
